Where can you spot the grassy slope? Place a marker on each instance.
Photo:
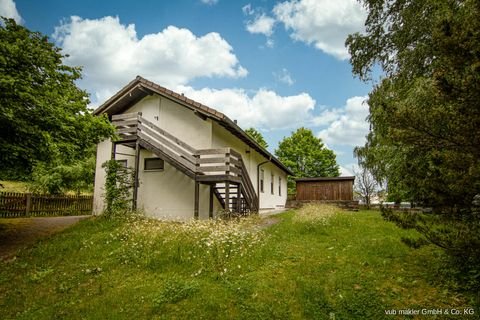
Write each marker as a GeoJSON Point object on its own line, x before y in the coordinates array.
{"type": "Point", "coordinates": [13, 186]}
{"type": "Point", "coordinates": [23, 187]}
{"type": "Point", "coordinates": [354, 267]}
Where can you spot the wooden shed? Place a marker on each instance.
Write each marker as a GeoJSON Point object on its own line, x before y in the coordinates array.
{"type": "Point", "coordinates": [321, 189]}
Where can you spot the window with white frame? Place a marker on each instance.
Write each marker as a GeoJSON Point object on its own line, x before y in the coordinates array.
{"type": "Point", "coordinates": [271, 183]}
{"type": "Point", "coordinates": [262, 178]}
{"type": "Point", "coordinates": [279, 186]}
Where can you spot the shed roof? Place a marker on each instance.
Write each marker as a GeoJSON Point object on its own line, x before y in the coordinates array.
{"type": "Point", "coordinates": [352, 178]}
{"type": "Point", "coordinates": [141, 87]}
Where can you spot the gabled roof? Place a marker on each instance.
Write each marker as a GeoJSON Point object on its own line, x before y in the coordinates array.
{"type": "Point", "coordinates": [141, 87]}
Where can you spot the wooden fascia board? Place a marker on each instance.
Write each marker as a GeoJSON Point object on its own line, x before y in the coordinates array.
{"type": "Point", "coordinates": [115, 99]}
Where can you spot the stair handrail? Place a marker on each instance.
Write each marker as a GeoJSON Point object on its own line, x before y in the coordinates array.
{"type": "Point", "coordinates": [246, 181]}
{"type": "Point", "coordinates": [248, 185]}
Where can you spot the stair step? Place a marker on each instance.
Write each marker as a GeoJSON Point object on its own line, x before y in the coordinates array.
{"type": "Point", "coordinates": [232, 193]}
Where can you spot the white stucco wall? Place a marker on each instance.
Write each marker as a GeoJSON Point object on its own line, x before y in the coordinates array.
{"type": "Point", "coordinates": [168, 194]}
{"type": "Point", "coordinates": [104, 152]}
{"type": "Point", "coordinates": [185, 125]}
{"type": "Point", "coordinates": [269, 200]}
{"type": "Point", "coordinates": [149, 107]}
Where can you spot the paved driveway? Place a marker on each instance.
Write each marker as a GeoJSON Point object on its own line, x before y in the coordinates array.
{"type": "Point", "coordinates": [16, 233]}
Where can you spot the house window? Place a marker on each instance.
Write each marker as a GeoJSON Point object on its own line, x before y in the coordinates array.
{"type": "Point", "coordinates": [271, 184]}
{"type": "Point", "coordinates": [262, 178]}
{"type": "Point", "coordinates": [122, 163]}
{"type": "Point", "coordinates": [279, 186]}
{"type": "Point", "coordinates": [153, 164]}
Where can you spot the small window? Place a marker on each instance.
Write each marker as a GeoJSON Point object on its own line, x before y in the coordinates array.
{"type": "Point", "coordinates": [262, 177]}
{"type": "Point", "coordinates": [279, 186]}
{"type": "Point", "coordinates": [123, 163]}
{"type": "Point", "coordinates": [271, 184]}
{"type": "Point", "coordinates": [153, 164]}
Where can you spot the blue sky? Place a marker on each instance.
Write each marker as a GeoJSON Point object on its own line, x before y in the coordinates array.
{"type": "Point", "coordinates": [273, 65]}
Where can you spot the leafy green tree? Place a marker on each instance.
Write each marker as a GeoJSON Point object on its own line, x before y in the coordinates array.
{"type": "Point", "coordinates": [44, 116]}
{"type": "Point", "coordinates": [425, 113]}
{"type": "Point", "coordinates": [257, 136]}
{"type": "Point", "coordinates": [306, 156]}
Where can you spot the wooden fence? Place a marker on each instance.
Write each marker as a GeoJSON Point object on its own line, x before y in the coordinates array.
{"type": "Point", "coordinates": [14, 204]}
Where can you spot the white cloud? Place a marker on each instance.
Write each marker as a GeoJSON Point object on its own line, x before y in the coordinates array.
{"type": "Point", "coordinates": [350, 126]}
{"type": "Point", "coordinates": [323, 23]}
{"type": "Point", "coordinates": [112, 55]}
{"type": "Point", "coordinates": [284, 77]}
{"type": "Point", "coordinates": [326, 117]}
{"type": "Point", "coordinates": [262, 24]}
{"type": "Point", "coordinates": [348, 170]}
{"type": "Point", "coordinates": [269, 43]}
{"type": "Point", "coordinates": [210, 2]}
{"type": "Point", "coordinates": [248, 10]}
{"type": "Point", "coordinates": [8, 9]}
{"type": "Point", "coordinates": [265, 109]}
{"type": "Point", "coordinates": [344, 172]}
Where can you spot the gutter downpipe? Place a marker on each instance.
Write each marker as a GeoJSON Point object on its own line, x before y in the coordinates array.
{"type": "Point", "coordinates": [258, 181]}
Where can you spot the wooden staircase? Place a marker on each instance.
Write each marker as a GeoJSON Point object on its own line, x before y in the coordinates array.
{"type": "Point", "coordinates": [222, 169]}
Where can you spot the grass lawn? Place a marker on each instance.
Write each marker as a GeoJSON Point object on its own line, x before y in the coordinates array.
{"type": "Point", "coordinates": [313, 263]}
{"type": "Point", "coordinates": [13, 186]}
{"type": "Point", "coordinates": [24, 187]}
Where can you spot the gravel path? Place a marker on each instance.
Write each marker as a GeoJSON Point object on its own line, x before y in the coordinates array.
{"type": "Point", "coordinates": [16, 233]}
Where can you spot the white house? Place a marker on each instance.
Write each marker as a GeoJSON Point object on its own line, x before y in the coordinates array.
{"type": "Point", "coordinates": [190, 160]}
